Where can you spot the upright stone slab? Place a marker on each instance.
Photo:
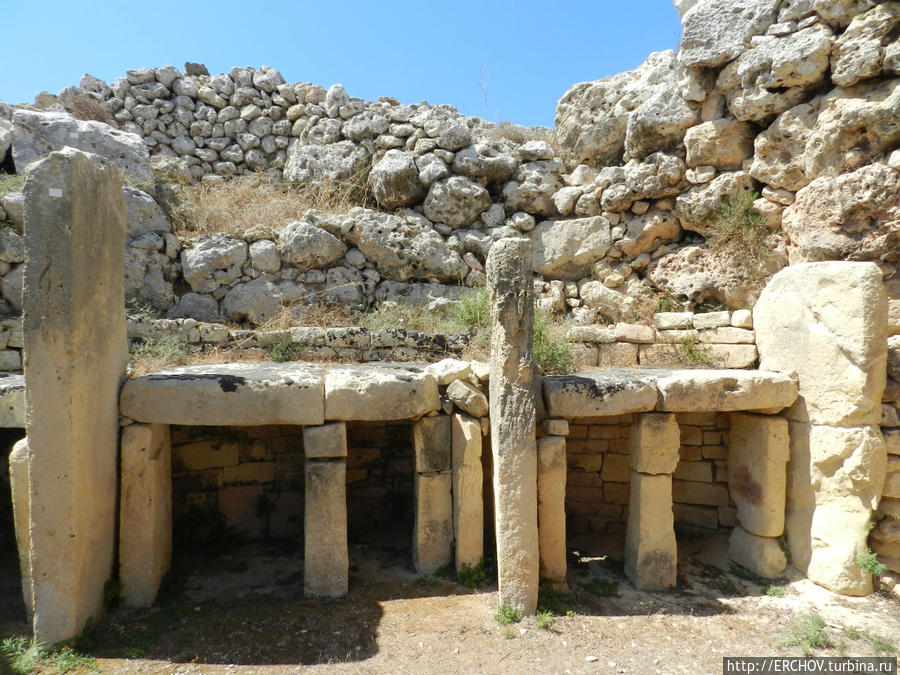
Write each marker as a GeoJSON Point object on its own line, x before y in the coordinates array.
{"type": "Point", "coordinates": [759, 447]}
{"type": "Point", "coordinates": [551, 480]}
{"type": "Point", "coordinates": [19, 463]}
{"type": "Point", "coordinates": [145, 512]}
{"type": "Point", "coordinates": [75, 358]}
{"type": "Point", "coordinates": [468, 500]}
{"type": "Point", "coordinates": [653, 443]}
{"type": "Point", "coordinates": [651, 553]}
{"type": "Point", "coordinates": [433, 522]}
{"type": "Point", "coordinates": [827, 322]}
{"type": "Point", "coordinates": [513, 416]}
{"type": "Point", "coordinates": [432, 443]}
{"type": "Point", "coordinates": [326, 561]}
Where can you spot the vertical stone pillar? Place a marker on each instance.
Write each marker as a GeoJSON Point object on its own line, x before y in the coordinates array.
{"type": "Point", "coordinates": [759, 447]}
{"type": "Point", "coordinates": [513, 416]}
{"type": "Point", "coordinates": [433, 521]}
{"type": "Point", "coordinates": [468, 501]}
{"type": "Point", "coordinates": [19, 463]}
{"type": "Point", "coordinates": [326, 562]}
{"type": "Point", "coordinates": [651, 552]}
{"type": "Point", "coordinates": [75, 358]}
{"type": "Point", "coordinates": [145, 512]}
{"type": "Point", "coordinates": [827, 322]}
{"type": "Point", "coordinates": [551, 483]}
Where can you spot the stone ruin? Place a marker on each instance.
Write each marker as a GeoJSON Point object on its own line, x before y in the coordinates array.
{"type": "Point", "coordinates": [791, 441]}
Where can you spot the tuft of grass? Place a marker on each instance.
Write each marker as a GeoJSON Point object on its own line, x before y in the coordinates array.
{"type": "Point", "coordinates": [806, 632]}
{"type": "Point", "coordinates": [711, 306]}
{"type": "Point", "coordinates": [670, 303]}
{"type": "Point", "coordinates": [427, 582]}
{"type": "Point", "coordinates": [545, 619]}
{"type": "Point", "coordinates": [869, 562]}
{"type": "Point", "coordinates": [518, 134]}
{"type": "Point", "coordinates": [506, 615]}
{"type": "Point", "coordinates": [284, 349]}
{"type": "Point", "coordinates": [236, 205]}
{"type": "Point", "coordinates": [876, 643]}
{"type": "Point", "coordinates": [25, 657]}
{"type": "Point", "coordinates": [509, 635]}
{"type": "Point", "coordinates": [775, 591]}
{"type": "Point", "coordinates": [10, 182]}
{"type": "Point", "coordinates": [150, 355]}
{"type": "Point", "coordinates": [473, 576]}
{"type": "Point", "coordinates": [473, 314]}
{"type": "Point", "coordinates": [694, 354]}
{"type": "Point", "coordinates": [739, 230]}
{"type": "Point", "coordinates": [603, 588]}
{"type": "Point", "coordinates": [550, 350]}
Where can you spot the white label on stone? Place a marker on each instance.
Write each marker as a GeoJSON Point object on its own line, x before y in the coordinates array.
{"type": "Point", "coordinates": [55, 192]}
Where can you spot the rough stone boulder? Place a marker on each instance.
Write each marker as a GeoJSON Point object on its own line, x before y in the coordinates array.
{"type": "Point", "coordinates": [592, 117]}
{"type": "Point", "coordinates": [868, 46]}
{"type": "Point", "coordinates": [143, 214]}
{"type": "Point", "coordinates": [836, 13]}
{"type": "Point", "coordinates": [485, 161]}
{"type": "Point", "coordinates": [645, 233]}
{"type": "Point", "coordinates": [213, 260]}
{"type": "Point", "coordinates": [830, 135]}
{"type": "Point", "coordinates": [698, 207]}
{"type": "Point", "coordinates": [36, 134]}
{"type": "Point", "coordinates": [307, 247]}
{"type": "Point", "coordinates": [566, 249]}
{"type": "Point", "coordinates": [723, 144]}
{"type": "Point", "coordinates": [337, 161]}
{"type": "Point", "coordinates": [776, 74]}
{"type": "Point", "coordinates": [259, 301]}
{"type": "Point", "coordinates": [533, 188]}
{"type": "Point", "coordinates": [395, 180]}
{"type": "Point", "coordinates": [404, 248]}
{"type": "Point", "coordinates": [659, 123]}
{"type": "Point", "coordinates": [456, 201]}
{"type": "Point", "coordinates": [717, 31]}
{"type": "Point", "coordinates": [854, 216]}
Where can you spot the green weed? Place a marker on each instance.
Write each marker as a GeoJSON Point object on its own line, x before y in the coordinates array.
{"type": "Point", "coordinates": [869, 562]}
{"type": "Point", "coordinates": [739, 230]}
{"type": "Point", "coordinates": [806, 632]}
{"type": "Point", "coordinates": [284, 349]}
{"type": "Point", "coordinates": [25, 657]}
{"type": "Point", "coordinates": [545, 619]}
{"type": "Point", "coordinates": [10, 182]}
{"type": "Point", "coordinates": [473, 576]}
{"type": "Point", "coordinates": [553, 601]}
{"type": "Point", "coordinates": [506, 615]}
{"type": "Point", "coordinates": [550, 350]}
{"type": "Point", "coordinates": [775, 591]}
{"type": "Point", "coordinates": [603, 588]}
{"type": "Point", "coordinates": [694, 354]}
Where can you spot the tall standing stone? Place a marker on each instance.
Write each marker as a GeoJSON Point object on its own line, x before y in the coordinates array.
{"type": "Point", "coordinates": [145, 512]}
{"type": "Point", "coordinates": [513, 416]}
{"type": "Point", "coordinates": [73, 311]}
{"type": "Point", "coordinates": [468, 500]}
{"type": "Point", "coordinates": [828, 323]}
{"type": "Point", "coordinates": [433, 521]}
{"type": "Point", "coordinates": [552, 507]}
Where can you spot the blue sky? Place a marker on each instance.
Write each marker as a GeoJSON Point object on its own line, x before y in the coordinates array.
{"type": "Point", "coordinates": [530, 51]}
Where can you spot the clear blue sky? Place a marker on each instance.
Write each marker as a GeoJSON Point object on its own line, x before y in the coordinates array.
{"type": "Point", "coordinates": [412, 50]}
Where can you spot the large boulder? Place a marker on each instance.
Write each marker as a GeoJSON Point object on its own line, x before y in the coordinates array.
{"type": "Point", "coordinates": [143, 214]}
{"type": "Point", "coordinates": [307, 247]}
{"type": "Point", "coordinates": [644, 234]}
{"type": "Point", "coordinates": [404, 248]}
{"type": "Point", "coordinates": [659, 123]}
{"type": "Point", "coordinates": [395, 180]}
{"type": "Point", "coordinates": [717, 31]}
{"type": "Point", "coordinates": [723, 144]}
{"type": "Point", "coordinates": [258, 301]}
{"type": "Point", "coordinates": [836, 13]}
{"type": "Point", "coordinates": [207, 255]}
{"type": "Point", "coordinates": [854, 216]}
{"type": "Point", "coordinates": [36, 134]}
{"type": "Point", "coordinates": [592, 117]}
{"type": "Point", "coordinates": [337, 161]}
{"type": "Point", "coordinates": [698, 208]}
{"type": "Point", "coordinates": [566, 249]}
{"type": "Point", "coordinates": [456, 201]}
{"type": "Point", "coordinates": [859, 53]}
{"type": "Point", "coordinates": [830, 135]}
{"type": "Point", "coordinates": [776, 74]}
{"type": "Point", "coordinates": [533, 188]}
{"type": "Point", "coordinates": [485, 161]}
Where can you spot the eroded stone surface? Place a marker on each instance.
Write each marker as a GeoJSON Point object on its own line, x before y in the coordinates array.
{"type": "Point", "coordinates": [650, 548]}
{"type": "Point", "coordinates": [467, 486]}
{"type": "Point", "coordinates": [551, 477]}
{"type": "Point", "coordinates": [725, 390]}
{"type": "Point", "coordinates": [599, 393]}
{"type": "Point", "coordinates": [325, 557]}
{"type": "Point", "coordinates": [382, 392]}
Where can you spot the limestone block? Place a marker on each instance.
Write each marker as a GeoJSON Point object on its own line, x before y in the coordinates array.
{"type": "Point", "coordinates": [650, 548]}
{"type": "Point", "coordinates": [654, 442]}
{"type": "Point", "coordinates": [615, 468]}
{"type": "Point", "coordinates": [145, 512]}
{"type": "Point", "coordinates": [551, 479]}
{"type": "Point", "coordinates": [433, 525]}
{"type": "Point", "coordinates": [376, 393]}
{"type": "Point", "coordinates": [12, 400]}
{"type": "Point", "coordinates": [892, 485]}
{"type": "Point", "coordinates": [19, 464]}
{"type": "Point", "coordinates": [467, 479]}
{"type": "Point", "coordinates": [760, 555]}
{"type": "Point", "coordinates": [731, 356]}
{"type": "Point", "coordinates": [759, 448]}
{"type": "Point", "coordinates": [599, 394]}
{"type": "Point", "coordinates": [238, 394]}
{"type": "Point", "coordinates": [447, 370]}
{"type": "Point", "coordinates": [706, 517]}
{"type": "Point", "coordinates": [325, 557]}
{"type": "Point", "coordinates": [75, 248]}
{"type": "Point", "coordinates": [697, 471]}
{"type": "Point", "coordinates": [513, 417]}
{"type": "Point", "coordinates": [432, 443]}
{"type": "Point", "coordinates": [328, 441]}
{"type": "Point", "coordinates": [249, 472]}
{"type": "Point", "coordinates": [711, 320]}
{"type": "Point", "coordinates": [838, 536]}
{"type": "Point", "coordinates": [672, 320]}
{"type": "Point", "coordinates": [724, 390]}
{"type": "Point", "coordinates": [560, 427]}
{"type": "Point", "coordinates": [827, 322]}
{"type": "Point", "coordinates": [705, 494]}
{"type": "Point", "coordinates": [468, 398]}
{"type": "Point", "coordinates": [617, 355]}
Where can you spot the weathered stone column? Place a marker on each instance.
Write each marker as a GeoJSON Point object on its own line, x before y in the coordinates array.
{"type": "Point", "coordinates": [828, 323]}
{"type": "Point", "coordinates": [145, 514]}
{"type": "Point", "coordinates": [551, 481]}
{"type": "Point", "coordinates": [468, 500]}
{"type": "Point", "coordinates": [19, 463]}
{"type": "Point", "coordinates": [326, 562]}
{"type": "Point", "coordinates": [759, 448]}
{"type": "Point", "coordinates": [651, 553]}
{"type": "Point", "coordinates": [513, 416]}
{"type": "Point", "coordinates": [75, 358]}
{"type": "Point", "coordinates": [433, 523]}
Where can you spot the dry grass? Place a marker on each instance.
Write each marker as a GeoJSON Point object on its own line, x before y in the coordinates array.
{"type": "Point", "coordinates": [155, 355]}
{"type": "Point", "coordinates": [238, 204]}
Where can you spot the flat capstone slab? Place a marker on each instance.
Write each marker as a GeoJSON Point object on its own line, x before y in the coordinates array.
{"type": "Point", "coordinates": [229, 394]}
{"type": "Point", "coordinates": [383, 391]}
{"type": "Point", "coordinates": [627, 390]}
{"type": "Point", "coordinates": [12, 400]}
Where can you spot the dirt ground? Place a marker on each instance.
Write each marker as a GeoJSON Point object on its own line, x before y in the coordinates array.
{"type": "Point", "coordinates": [244, 613]}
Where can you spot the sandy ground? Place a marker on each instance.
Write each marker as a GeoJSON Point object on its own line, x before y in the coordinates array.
{"type": "Point", "coordinates": [244, 613]}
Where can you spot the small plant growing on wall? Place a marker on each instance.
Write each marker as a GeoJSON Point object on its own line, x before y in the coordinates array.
{"type": "Point", "coordinates": [869, 562]}
{"type": "Point", "coordinates": [739, 230]}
